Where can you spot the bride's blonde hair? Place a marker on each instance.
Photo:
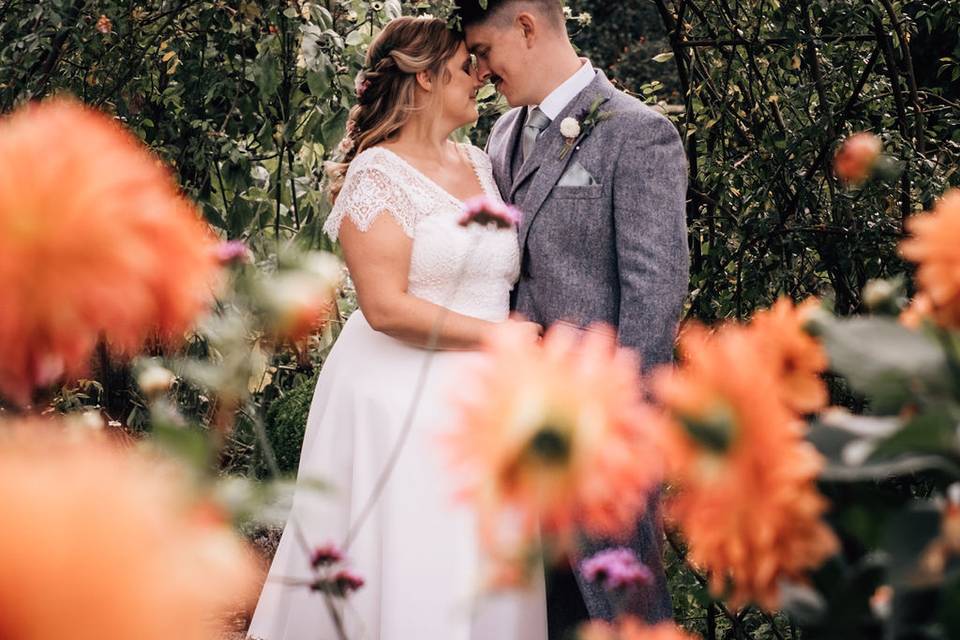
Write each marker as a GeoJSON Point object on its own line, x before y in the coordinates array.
{"type": "Point", "coordinates": [386, 87]}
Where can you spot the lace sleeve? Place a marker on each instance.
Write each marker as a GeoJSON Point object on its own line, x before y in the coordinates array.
{"type": "Point", "coordinates": [367, 192]}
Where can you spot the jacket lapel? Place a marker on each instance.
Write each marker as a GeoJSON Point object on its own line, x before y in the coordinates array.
{"type": "Point", "coordinates": [500, 148]}
{"type": "Point", "coordinates": [545, 165]}
{"type": "Point", "coordinates": [513, 140]}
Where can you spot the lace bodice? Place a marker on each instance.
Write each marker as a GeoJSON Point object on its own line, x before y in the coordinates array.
{"type": "Point", "coordinates": [468, 270]}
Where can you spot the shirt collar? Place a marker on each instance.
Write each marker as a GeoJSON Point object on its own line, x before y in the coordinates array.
{"type": "Point", "coordinates": [554, 103]}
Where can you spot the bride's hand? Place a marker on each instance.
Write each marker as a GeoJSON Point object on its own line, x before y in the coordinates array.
{"type": "Point", "coordinates": [531, 330]}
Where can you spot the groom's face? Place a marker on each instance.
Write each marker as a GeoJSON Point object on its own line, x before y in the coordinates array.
{"type": "Point", "coordinates": [503, 58]}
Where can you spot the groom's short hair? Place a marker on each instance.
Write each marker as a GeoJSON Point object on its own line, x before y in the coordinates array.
{"type": "Point", "coordinates": [472, 12]}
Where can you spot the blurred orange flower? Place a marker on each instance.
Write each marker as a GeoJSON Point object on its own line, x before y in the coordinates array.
{"type": "Point", "coordinates": [917, 312]}
{"type": "Point", "coordinates": [856, 157]}
{"type": "Point", "coordinates": [94, 240]}
{"type": "Point", "coordinates": [554, 433]}
{"type": "Point", "coordinates": [798, 357]}
{"type": "Point", "coordinates": [746, 498]}
{"type": "Point", "coordinates": [630, 628]}
{"type": "Point", "coordinates": [99, 542]}
{"type": "Point", "coordinates": [933, 244]}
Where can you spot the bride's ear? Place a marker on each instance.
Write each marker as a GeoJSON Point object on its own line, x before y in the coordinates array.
{"type": "Point", "coordinates": [425, 81]}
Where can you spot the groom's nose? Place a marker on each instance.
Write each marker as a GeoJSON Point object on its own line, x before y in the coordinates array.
{"type": "Point", "coordinates": [483, 70]}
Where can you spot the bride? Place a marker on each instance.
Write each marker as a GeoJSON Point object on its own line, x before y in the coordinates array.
{"type": "Point", "coordinates": [398, 196]}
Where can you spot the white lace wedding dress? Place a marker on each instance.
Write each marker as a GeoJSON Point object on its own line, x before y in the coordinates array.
{"type": "Point", "coordinates": [418, 550]}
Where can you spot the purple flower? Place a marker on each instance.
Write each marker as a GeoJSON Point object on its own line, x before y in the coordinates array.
{"type": "Point", "coordinates": [483, 210]}
{"type": "Point", "coordinates": [617, 568]}
{"type": "Point", "coordinates": [361, 84]}
{"type": "Point", "coordinates": [347, 581]}
{"type": "Point", "coordinates": [342, 584]}
{"type": "Point", "coordinates": [233, 252]}
{"type": "Point", "coordinates": [325, 555]}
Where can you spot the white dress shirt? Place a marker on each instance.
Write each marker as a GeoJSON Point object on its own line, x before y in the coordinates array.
{"type": "Point", "coordinates": [554, 103]}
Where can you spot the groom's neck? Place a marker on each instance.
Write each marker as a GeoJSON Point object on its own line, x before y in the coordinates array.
{"type": "Point", "coordinates": [563, 63]}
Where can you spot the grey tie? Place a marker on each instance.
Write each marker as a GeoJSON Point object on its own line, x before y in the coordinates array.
{"type": "Point", "coordinates": [537, 121]}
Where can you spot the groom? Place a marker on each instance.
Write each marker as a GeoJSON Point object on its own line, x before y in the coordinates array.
{"type": "Point", "coordinates": [603, 235]}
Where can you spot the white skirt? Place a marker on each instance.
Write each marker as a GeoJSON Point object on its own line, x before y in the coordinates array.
{"type": "Point", "coordinates": [418, 549]}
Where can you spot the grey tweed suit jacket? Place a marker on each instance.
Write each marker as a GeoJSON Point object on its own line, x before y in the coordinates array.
{"type": "Point", "coordinates": [612, 249]}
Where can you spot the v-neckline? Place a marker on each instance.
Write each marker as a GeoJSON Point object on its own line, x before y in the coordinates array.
{"type": "Point", "coordinates": [434, 183]}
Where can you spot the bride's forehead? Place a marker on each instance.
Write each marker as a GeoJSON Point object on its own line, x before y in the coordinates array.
{"type": "Point", "coordinates": [460, 54]}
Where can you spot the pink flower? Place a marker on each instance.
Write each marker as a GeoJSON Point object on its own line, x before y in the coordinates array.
{"type": "Point", "coordinates": [361, 84]}
{"type": "Point", "coordinates": [347, 581]}
{"type": "Point", "coordinates": [617, 568]}
{"type": "Point", "coordinates": [233, 252]}
{"type": "Point", "coordinates": [342, 584]}
{"type": "Point", "coordinates": [856, 158]}
{"type": "Point", "coordinates": [325, 555]}
{"type": "Point", "coordinates": [483, 210]}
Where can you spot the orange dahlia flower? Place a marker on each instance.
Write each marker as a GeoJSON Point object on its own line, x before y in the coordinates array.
{"type": "Point", "coordinates": [933, 246]}
{"type": "Point", "coordinates": [99, 542]}
{"type": "Point", "coordinates": [555, 433]}
{"type": "Point", "coordinates": [856, 157]}
{"type": "Point", "coordinates": [917, 312]}
{"type": "Point", "coordinates": [630, 628]}
{"type": "Point", "coordinates": [746, 498]}
{"type": "Point", "coordinates": [94, 240]}
{"type": "Point", "coordinates": [798, 358]}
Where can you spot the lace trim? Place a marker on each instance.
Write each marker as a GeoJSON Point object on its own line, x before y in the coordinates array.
{"type": "Point", "coordinates": [373, 186]}
{"type": "Point", "coordinates": [368, 192]}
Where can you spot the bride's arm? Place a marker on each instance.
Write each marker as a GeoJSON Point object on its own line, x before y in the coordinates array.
{"type": "Point", "coordinates": [379, 263]}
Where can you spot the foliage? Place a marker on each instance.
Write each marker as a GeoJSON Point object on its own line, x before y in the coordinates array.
{"type": "Point", "coordinates": [245, 99]}
{"type": "Point", "coordinates": [769, 90]}
{"type": "Point", "coordinates": [284, 427]}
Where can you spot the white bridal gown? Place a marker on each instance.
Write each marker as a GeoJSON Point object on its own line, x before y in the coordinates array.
{"type": "Point", "coordinates": [418, 550]}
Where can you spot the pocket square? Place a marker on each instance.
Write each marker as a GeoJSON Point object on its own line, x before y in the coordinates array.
{"type": "Point", "coordinates": [576, 175]}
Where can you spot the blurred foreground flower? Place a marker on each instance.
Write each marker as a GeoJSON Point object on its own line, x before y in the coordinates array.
{"type": "Point", "coordinates": [933, 244]}
{"type": "Point", "coordinates": [917, 312]}
{"type": "Point", "coordinates": [300, 297]}
{"type": "Point", "coordinates": [99, 542]}
{"type": "Point", "coordinates": [632, 629]}
{"type": "Point", "coordinates": [746, 496]}
{"type": "Point", "coordinates": [797, 357]}
{"type": "Point", "coordinates": [233, 252]}
{"type": "Point", "coordinates": [95, 240]}
{"type": "Point", "coordinates": [616, 569]}
{"type": "Point", "coordinates": [483, 211]}
{"type": "Point", "coordinates": [554, 433]}
{"type": "Point", "coordinates": [855, 159]}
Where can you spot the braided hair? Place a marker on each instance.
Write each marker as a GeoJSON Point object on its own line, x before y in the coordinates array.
{"type": "Point", "coordinates": [386, 86]}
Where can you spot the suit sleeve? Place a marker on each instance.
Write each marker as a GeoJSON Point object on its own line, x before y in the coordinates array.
{"type": "Point", "coordinates": [649, 197]}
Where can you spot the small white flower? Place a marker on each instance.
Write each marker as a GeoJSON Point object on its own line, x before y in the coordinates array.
{"type": "Point", "coordinates": [155, 380]}
{"type": "Point", "coordinates": [569, 128]}
{"type": "Point", "coordinates": [585, 19]}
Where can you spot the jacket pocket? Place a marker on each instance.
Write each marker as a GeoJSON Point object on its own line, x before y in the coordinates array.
{"type": "Point", "coordinates": [578, 193]}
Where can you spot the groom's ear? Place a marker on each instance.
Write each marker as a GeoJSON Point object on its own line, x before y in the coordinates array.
{"type": "Point", "coordinates": [528, 26]}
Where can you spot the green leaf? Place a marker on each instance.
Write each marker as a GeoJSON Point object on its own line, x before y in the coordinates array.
{"type": "Point", "coordinates": [188, 444]}
{"type": "Point", "coordinates": [355, 38]}
{"type": "Point", "coordinates": [663, 57]}
{"type": "Point", "coordinates": [933, 432]}
{"type": "Point", "coordinates": [909, 533]}
{"type": "Point", "coordinates": [885, 361]}
{"type": "Point", "coordinates": [266, 76]}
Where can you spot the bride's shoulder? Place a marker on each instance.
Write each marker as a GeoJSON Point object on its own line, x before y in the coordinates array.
{"type": "Point", "coordinates": [372, 158]}
{"type": "Point", "coordinates": [478, 155]}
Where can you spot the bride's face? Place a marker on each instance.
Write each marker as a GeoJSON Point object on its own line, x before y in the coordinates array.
{"type": "Point", "coordinates": [458, 96]}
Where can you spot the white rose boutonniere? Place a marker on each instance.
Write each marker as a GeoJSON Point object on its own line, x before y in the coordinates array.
{"type": "Point", "coordinates": [574, 130]}
{"type": "Point", "coordinates": [569, 128]}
